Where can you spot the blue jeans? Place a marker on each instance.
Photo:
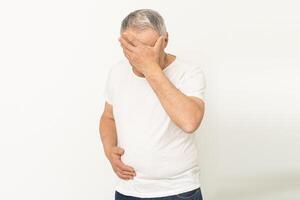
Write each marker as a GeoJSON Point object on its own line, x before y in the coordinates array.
{"type": "Point", "coordinates": [190, 195]}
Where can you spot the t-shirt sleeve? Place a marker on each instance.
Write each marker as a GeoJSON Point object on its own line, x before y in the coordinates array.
{"type": "Point", "coordinates": [108, 90]}
{"type": "Point", "coordinates": [194, 83]}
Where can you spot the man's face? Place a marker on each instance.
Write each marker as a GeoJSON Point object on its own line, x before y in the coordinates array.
{"type": "Point", "coordinates": [147, 36]}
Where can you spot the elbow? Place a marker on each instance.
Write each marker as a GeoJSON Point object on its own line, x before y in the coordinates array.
{"type": "Point", "coordinates": [192, 124]}
{"type": "Point", "coordinates": [190, 127]}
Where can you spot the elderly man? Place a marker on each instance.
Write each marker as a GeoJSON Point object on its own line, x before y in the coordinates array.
{"type": "Point", "coordinates": [154, 104]}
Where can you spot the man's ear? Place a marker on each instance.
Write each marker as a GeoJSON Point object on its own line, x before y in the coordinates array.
{"type": "Point", "coordinates": [166, 35]}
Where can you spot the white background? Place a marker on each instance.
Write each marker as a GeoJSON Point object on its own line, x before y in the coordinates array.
{"type": "Point", "coordinates": [54, 59]}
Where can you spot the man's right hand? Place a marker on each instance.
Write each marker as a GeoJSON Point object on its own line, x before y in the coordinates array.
{"type": "Point", "coordinates": [123, 171]}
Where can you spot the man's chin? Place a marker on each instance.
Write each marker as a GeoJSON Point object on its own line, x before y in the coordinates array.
{"type": "Point", "coordinates": [135, 69]}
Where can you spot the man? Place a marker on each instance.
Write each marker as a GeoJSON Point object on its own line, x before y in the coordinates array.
{"type": "Point", "coordinates": [154, 104]}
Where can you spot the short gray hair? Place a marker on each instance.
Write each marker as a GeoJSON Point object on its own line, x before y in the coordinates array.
{"type": "Point", "coordinates": [144, 18]}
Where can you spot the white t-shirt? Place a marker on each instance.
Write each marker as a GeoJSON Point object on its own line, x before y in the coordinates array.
{"type": "Point", "coordinates": [163, 155]}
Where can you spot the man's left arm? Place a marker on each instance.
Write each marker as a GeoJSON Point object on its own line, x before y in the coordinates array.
{"type": "Point", "coordinates": [185, 111]}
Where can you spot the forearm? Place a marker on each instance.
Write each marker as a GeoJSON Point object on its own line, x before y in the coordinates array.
{"type": "Point", "coordinates": [184, 111]}
{"type": "Point", "coordinates": [108, 134]}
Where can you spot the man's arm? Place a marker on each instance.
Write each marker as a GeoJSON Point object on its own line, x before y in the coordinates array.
{"type": "Point", "coordinates": [108, 134]}
{"type": "Point", "coordinates": [186, 111]}
{"type": "Point", "coordinates": [107, 129]}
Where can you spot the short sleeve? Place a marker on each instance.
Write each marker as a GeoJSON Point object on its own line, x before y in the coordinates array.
{"type": "Point", "coordinates": [108, 90]}
{"type": "Point", "coordinates": [194, 83]}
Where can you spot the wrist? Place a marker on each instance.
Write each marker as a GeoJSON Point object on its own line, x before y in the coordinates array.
{"type": "Point", "coordinates": [107, 150]}
{"type": "Point", "coordinates": [152, 70]}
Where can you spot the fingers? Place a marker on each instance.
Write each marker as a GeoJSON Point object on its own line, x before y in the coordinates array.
{"type": "Point", "coordinates": [128, 49]}
{"type": "Point", "coordinates": [130, 38]}
{"type": "Point", "coordinates": [124, 172]}
{"type": "Point", "coordinates": [124, 167]}
{"type": "Point", "coordinates": [126, 44]}
{"type": "Point", "coordinates": [129, 55]}
{"type": "Point", "coordinates": [124, 176]}
{"type": "Point", "coordinates": [118, 162]}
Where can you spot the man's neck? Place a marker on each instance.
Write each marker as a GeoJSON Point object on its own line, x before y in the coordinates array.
{"type": "Point", "coordinates": [165, 60]}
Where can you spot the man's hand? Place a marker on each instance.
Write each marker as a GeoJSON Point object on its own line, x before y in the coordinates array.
{"type": "Point", "coordinates": [145, 58]}
{"type": "Point", "coordinates": [123, 171]}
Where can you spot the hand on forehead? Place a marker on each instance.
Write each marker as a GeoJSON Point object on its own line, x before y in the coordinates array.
{"type": "Point", "coordinates": [146, 37]}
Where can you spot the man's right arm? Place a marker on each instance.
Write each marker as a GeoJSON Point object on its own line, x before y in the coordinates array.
{"type": "Point", "coordinates": [107, 129]}
{"type": "Point", "coordinates": [108, 134]}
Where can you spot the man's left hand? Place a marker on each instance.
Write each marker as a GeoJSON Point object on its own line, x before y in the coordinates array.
{"type": "Point", "coordinates": [143, 57]}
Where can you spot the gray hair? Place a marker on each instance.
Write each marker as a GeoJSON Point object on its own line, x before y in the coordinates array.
{"type": "Point", "coordinates": [144, 18]}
